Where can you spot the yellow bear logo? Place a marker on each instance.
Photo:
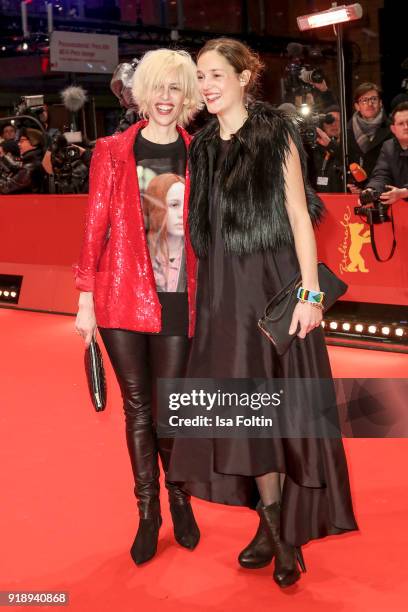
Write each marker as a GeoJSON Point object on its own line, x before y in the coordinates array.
{"type": "Point", "coordinates": [356, 244]}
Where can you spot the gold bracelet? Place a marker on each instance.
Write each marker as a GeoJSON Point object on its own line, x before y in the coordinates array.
{"type": "Point", "coordinates": [315, 304]}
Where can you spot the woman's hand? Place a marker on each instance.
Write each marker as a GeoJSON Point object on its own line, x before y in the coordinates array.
{"type": "Point", "coordinates": [85, 324]}
{"type": "Point", "coordinates": [308, 316]}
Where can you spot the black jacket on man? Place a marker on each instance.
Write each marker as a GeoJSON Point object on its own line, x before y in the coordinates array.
{"type": "Point", "coordinates": [325, 167]}
{"type": "Point", "coordinates": [252, 183]}
{"type": "Point", "coordinates": [391, 167]}
{"type": "Point", "coordinates": [29, 178]}
{"type": "Point", "coordinates": [368, 159]}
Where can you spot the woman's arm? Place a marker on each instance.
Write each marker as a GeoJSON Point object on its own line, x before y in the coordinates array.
{"type": "Point", "coordinates": [307, 315]}
{"type": "Point", "coordinates": [96, 226]}
{"type": "Point", "coordinates": [97, 217]}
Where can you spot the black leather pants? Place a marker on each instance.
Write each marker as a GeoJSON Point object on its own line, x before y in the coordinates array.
{"type": "Point", "coordinates": [138, 360]}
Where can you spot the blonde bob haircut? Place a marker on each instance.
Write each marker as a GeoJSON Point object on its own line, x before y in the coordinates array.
{"type": "Point", "coordinates": [150, 75]}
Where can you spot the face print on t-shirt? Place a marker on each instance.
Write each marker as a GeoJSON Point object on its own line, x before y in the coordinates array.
{"type": "Point", "coordinates": [163, 204]}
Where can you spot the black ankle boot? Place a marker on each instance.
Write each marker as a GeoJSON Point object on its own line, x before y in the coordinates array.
{"type": "Point", "coordinates": [186, 530]}
{"type": "Point", "coordinates": [259, 552]}
{"type": "Point", "coordinates": [287, 556]}
{"type": "Point", "coordinates": [144, 546]}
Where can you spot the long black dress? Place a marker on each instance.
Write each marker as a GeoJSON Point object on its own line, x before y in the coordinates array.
{"type": "Point", "coordinates": [231, 295]}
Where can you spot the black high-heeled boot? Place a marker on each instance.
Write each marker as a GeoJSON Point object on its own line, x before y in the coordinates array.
{"type": "Point", "coordinates": [186, 530]}
{"type": "Point", "coordinates": [144, 458]}
{"type": "Point", "coordinates": [259, 552]}
{"type": "Point", "coordinates": [287, 556]}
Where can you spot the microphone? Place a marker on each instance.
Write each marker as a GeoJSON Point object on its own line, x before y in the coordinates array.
{"type": "Point", "coordinates": [358, 173]}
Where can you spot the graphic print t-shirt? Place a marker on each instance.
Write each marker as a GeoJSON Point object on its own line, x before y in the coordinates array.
{"type": "Point", "coordinates": [161, 175]}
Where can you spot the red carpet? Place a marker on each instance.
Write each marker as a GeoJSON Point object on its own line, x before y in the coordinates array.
{"type": "Point", "coordinates": [68, 512]}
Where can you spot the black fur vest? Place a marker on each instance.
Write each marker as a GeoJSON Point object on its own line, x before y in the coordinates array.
{"type": "Point", "coordinates": [252, 184]}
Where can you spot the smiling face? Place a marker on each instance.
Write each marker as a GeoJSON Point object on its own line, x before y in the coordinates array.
{"type": "Point", "coordinates": [175, 201]}
{"type": "Point", "coordinates": [221, 87]}
{"type": "Point", "coordinates": [166, 101]}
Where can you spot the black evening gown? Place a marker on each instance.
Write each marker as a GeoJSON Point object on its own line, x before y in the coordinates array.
{"type": "Point", "coordinates": [231, 295]}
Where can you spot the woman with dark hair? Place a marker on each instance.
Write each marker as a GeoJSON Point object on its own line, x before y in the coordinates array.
{"type": "Point", "coordinates": [251, 225]}
{"type": "Point", "coordinates": [144, 318]}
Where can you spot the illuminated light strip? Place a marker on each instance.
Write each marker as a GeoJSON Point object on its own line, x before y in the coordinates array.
{"type": "Point", "coordinates": [385, 330]}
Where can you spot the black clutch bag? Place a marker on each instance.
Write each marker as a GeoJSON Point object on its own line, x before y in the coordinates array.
{"type": "Point", "coordinates": [276, 320]}
{"type": "Point", "coordinates": [95, 374]}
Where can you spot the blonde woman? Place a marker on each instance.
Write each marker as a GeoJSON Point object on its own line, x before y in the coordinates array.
{"type": "Point", "coordinates": [145, 323]}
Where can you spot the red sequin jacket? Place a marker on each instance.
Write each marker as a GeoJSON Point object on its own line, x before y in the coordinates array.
{"type": "Point", "coordinates": [115, 263]}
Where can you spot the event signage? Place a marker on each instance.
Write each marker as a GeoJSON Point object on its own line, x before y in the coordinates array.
{"type": "Point", "coordinates": [78, 52]}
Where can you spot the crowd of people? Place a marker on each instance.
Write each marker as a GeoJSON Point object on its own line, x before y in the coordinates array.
{"type": "Point", "coordinates": [34, 160]}
{"type": "Point", "coordinates": [378, 143]}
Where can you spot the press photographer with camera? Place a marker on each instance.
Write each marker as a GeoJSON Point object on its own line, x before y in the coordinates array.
{"type": "Point", "coordinates": [390, 175]}
{"type": "Point", "coordinates": [325, 156]}
{"type": "Point", "coordinates": [7, 132]}
{"type": "Point", "coordinates": [10, 162]}
{"type": "Point", "coordinates": [30, 177]}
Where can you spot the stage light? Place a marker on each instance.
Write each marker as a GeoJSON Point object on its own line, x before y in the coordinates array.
{"type": "Point", "coordinates": [346, 326]}
{"type": "Point", "coordinates": [399, 331]}
{"type": "Point", "coordinates": [10, 287]}
{"type": "Point", "coordinates": [24, 46]}
{"type": "Point", "coordinates": [385, 331]}
{"type": "Point", "coordinates": [359, 328]}
{"type": "Point", "coordinates": [372, 329]}
{"type": "Point", "coordinates": [323, 324]}
{"type": "Point", "coordinates": [337, 14]}
{"type": "Point", "coordinates": [333, 325]}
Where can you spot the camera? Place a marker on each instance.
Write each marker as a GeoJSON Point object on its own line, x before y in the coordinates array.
{"type": "Point", "coordinates": [300, 77]}
{"type": "Point", "coordinates": [308, 124]}
{"type": "Point", "coordinates": [30, 105]}
{"type": "Point", "coordinates": [372, 208]}
{"type": "Point", "coordinates": [70, 170]}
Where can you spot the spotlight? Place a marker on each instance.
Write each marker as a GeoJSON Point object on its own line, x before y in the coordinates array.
{"type": "Point", "coordinates": [6, 293]}
{"type": "Point", "coordinates": [385, 331]}
{"type": "Point", "coordinates": [333, 325]}
{"type": "Point", "coordinates": [24, 46]}
{"type": "Point", "coordinates": [346, 326]}
{"type": "Point", "coordinates": [399, 331]}
{"type": "Point", "coordinates": [323, 324]}
{"type": "Point", "coordinates": [359, 328]}
{"type": "Point", "coordinates": [372, 329]}
{"type": "Point", "coordinates": [13, 294]}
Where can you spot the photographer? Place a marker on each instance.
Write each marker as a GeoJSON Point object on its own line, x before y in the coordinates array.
{"type": "Point", "coordinates": [9, 159]}
{"type": "Point", "coordinates": [29, 178]}
{"type": "Point", "coordinates": [325, 157]}
{"type": "Point", "coordinates": [7, 132]}
{"type": "Point", "coordinates": [70, 164]}
{"type": "Point", "coordinates": [390, 175]}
